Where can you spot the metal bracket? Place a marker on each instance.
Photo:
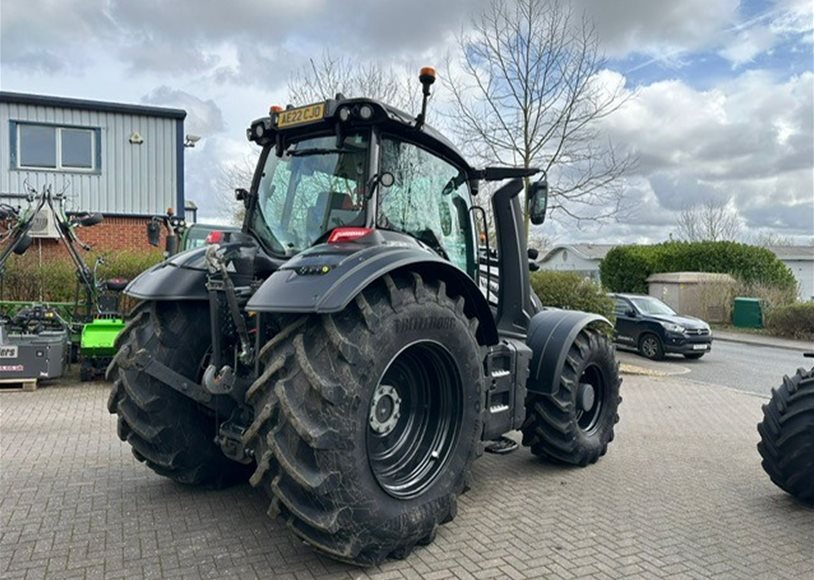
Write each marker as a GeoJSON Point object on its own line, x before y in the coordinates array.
{"type": "Point", "coordinates": [230, 439]}
{"type": "Point", "coordinates": [143, 361]}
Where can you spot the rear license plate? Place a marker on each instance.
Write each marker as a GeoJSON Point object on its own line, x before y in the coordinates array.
{"type": "Point", "coordinates": [300, 115]}
{"type": "Point", "coordinates": [699, 347]}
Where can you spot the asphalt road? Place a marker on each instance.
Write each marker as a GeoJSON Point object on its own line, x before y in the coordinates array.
{"type": "Point", "coordinates": [745, 367]}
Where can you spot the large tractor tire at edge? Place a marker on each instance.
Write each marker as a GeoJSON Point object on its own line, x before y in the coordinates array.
{"type": "Point", "coordinates": [787, 436]}
{"type": "Point", "coordinates": [575, 425]}
{"type": "Point", "coordinates": [367, 421]}
{"type": "Point", "coordinates": [170, 433]}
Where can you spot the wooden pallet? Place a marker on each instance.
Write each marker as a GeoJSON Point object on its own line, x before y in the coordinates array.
{"type": "Point", "coordinates": [18, 385]}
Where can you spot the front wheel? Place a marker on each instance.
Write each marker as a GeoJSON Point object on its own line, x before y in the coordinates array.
{"type": "Point", "coordinates": [575, 425]}
{"type": "Point", "coordinates": [650, 347]}
{"type": "Point", "coordinates": [367, 421]}
{"type": "Point", "coordinates": [787, 436]}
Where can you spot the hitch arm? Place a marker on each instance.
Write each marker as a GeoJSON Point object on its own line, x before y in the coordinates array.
{"type": "Point", "coordinates": [144, 361]}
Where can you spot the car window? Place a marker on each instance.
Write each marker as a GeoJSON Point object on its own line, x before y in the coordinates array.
{"type": "Point", "coordinates": [621, 307]}
{"type": "Point", "coordinates": [652, 306]}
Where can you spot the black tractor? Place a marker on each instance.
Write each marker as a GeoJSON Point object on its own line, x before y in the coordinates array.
{"type": "Point", "coordinates": [345, 352]}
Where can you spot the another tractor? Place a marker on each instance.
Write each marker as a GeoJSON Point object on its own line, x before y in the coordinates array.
{"type": "Point", "coordinates": [344, 352]}
{"type": "Point", "coordinates": [787, 435]}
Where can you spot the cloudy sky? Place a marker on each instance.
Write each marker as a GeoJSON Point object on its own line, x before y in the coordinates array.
{"type": "Point", "coordinates": [722, 104]}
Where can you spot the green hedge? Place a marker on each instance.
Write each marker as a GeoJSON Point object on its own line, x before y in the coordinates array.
{"type": "Point", "coordinates": [792, 321]}
{"type": "Point", "coordinates": [626, 268]}
{"type": "Point", "coordinates": [571, 291]}
{"type": "Point", "coordinates": [26, 279]}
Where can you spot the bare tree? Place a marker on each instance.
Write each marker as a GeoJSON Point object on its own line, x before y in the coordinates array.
{"type": "Point", "coordinates": [528, 94]}
{"type": "Point", "coordinates": [768, 239]}
{"type": "Point", "coordinates": [322, 78]}
{"type": "Point", "coordinates": [709, 221]}
{"type": "Point", "coordinates": [230, 177]}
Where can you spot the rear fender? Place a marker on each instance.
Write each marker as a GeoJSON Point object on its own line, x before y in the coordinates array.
{"type": "Point", "coordinates": [551, 334]}
{"type": "Point", "coordinates": [327, 277]}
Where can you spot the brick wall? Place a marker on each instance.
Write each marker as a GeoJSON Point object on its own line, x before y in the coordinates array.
{"type": "Point", "coordinates": [114, 234]}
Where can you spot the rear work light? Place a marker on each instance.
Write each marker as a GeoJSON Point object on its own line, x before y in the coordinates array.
{"type": "Point", "coordinates": [214, 237]}
{"type": "Point", "coordinates": [340, 235]}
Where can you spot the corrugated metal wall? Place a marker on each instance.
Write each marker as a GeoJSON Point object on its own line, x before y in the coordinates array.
{"type": "Point", "coordinates": [134, 179]}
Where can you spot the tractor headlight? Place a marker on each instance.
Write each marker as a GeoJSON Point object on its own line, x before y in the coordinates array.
{"type": "Point", "coordinates": [344, 114]}
{"type": "Point", "coordinates": [366, 112]}
{"type": "Point", "coordinates": [259, 130]}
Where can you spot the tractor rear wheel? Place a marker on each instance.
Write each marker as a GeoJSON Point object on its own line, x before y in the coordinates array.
{"type": "Point", "coordinates": [787, 436]}
{"type": "Point", "coordinates": [366, 422]}
{"type": "Point", "coordinates": [169, 432]}
{"type": "Point", "coordinates": [575, 425]}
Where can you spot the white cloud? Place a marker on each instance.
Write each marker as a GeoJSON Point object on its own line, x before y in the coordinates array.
{"type": "Point", "coordinates": [750, 139]}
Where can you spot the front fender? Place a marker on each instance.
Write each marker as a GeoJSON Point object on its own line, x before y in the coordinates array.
{"type": "Point", "coordinates": [325, 278]}
{"type": "Point", "coordinates": [551, 334]}
{"type": "Point", "coordinates": [167, 281]}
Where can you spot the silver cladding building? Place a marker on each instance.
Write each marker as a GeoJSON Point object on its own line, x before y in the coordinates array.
{"type": "Point", "coordinates": [117, 159]}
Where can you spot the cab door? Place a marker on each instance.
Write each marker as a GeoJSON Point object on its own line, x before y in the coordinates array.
{"type": "Point", "coordinates": [429, 199]}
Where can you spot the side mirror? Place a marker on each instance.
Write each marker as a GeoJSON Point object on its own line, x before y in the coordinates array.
{"type": "Point", "coordinates": [538, 201]}
{"type": "Point", "coordinates": [630, 312]}
{"type": "Point", "coordinates": [153, 232]}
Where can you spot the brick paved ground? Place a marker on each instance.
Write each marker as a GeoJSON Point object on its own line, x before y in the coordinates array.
{"type": "Point", "coordinates": [681, 494]}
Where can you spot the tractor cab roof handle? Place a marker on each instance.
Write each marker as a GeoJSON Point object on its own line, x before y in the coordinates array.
{"type": "Point", "coordinates": [501, 173]}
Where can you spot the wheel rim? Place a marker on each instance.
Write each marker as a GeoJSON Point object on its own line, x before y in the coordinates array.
{"type": "Point", "coordinates": [414, 418]}
{"type": "Point", "coordinates": [650, 347]}
{"type": "Point", "coordinates": [590, 398]}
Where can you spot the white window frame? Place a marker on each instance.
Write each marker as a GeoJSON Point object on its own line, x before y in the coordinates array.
{"type": "Point", "coordinates": [58, 137]}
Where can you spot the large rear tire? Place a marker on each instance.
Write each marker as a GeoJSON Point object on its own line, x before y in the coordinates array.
{"type": "Point", "coordinates": [575, 425]}
{"type": "Point", "coordinates": [787, 436]}
{"type": "Point", "coordinates": [367, 421]}
{"type": "Point", "coordinates": [170, 433]}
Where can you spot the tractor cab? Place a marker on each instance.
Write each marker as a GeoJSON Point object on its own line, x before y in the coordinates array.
{"type": "Point", "coordinates": [357, 163]}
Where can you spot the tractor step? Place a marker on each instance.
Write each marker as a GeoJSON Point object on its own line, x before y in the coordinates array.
{"type": "Point", "coordinates": [501, 446]}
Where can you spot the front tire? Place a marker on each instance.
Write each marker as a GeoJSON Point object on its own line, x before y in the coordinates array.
{"type": "Point", "coordinates": [650, 347]}
{"type": "Point", "coordinates": [787, 436]}
{"type": "Point", "coordinates": [367, 421]}
{"type": "Point", "coordinates": [575, 425]}
{"type": "Point", "coordinates": [170, 433]}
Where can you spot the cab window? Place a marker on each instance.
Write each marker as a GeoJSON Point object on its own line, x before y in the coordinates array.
{"type": "Point", "coordinates": [429, 200]}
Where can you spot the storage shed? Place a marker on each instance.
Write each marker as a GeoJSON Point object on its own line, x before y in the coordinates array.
{"type": "Point", "coordinates": [704, 295]}
{"type": "Point", "coordinates": [122, 160]}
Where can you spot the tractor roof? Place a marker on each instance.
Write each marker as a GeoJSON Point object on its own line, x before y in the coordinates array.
{"type": "Point", "coordinates": [294, 122]}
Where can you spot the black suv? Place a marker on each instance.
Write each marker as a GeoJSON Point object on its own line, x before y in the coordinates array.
{"type": "Point", "coordinates": [653, 328]}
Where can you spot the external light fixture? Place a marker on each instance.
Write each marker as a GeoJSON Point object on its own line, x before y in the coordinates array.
{"type": "Point", "coordinates": [191, 140]}
{"type": "Point", "coordinates": [344, 114]}
{"type": "Point", "coordinates": [366, 112]}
